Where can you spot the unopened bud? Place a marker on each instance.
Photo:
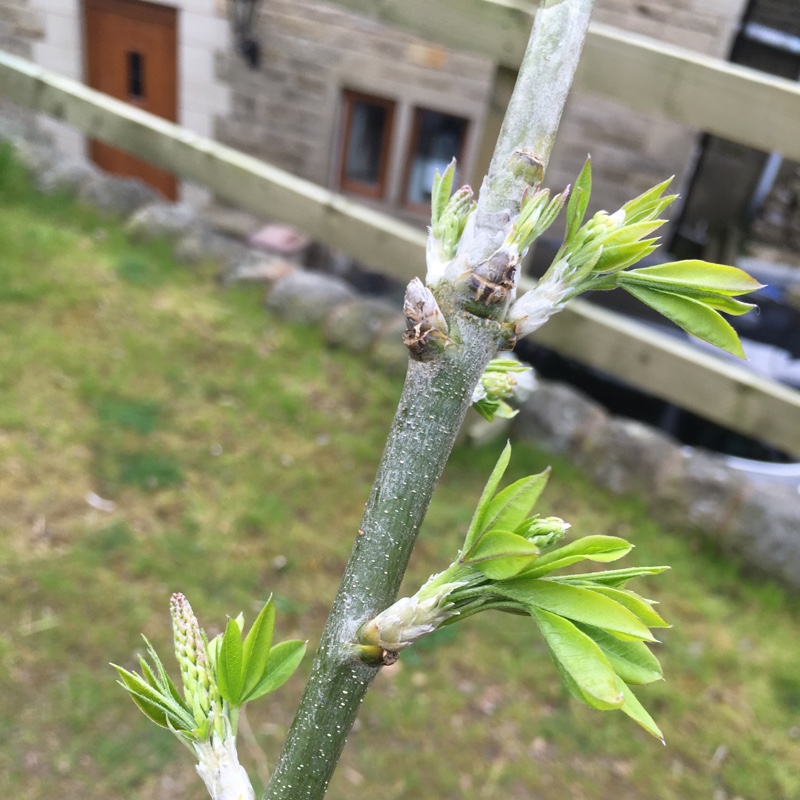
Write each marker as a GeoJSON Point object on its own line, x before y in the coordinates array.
{"type": "Point", "coordinates": [527, 166]}
{"type": "Point", "coordinates": [409, 619]}
{"type": "Point", "coordinates": [199, 688]}
{"type": "Point", "coordinates": [426, 333]}
{"type": "Point", "coordinates": [544, 531]}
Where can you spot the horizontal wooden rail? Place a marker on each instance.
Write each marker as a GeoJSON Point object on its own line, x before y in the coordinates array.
{"type": "Point", "coordinates": [735, 102]}
{"type": "Point", "coordinates": [250, 183]}
{"type": "Point", "coordinates": [633, 353]}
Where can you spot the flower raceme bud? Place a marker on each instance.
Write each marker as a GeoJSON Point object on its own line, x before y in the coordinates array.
{"type": "Point", "coordinates": [199, 687]}
{"type": "Point", "coordinates": [503, 378]}
{"type": "Point", "coordinates": [544, 532]}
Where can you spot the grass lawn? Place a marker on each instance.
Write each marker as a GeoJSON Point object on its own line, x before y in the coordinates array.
{"type": "Point", "coordinates": [238, 452]}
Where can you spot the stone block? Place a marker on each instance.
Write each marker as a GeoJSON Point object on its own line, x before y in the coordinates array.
{"type": "Point", "coordinates": [558, 418]}
{"type": "Point", "coordinates": [258, 266]}
{"type": "Point", "coordinates": [354, 326]}
{"type": "Point", "coordinates": [702, 492]}
{"type": "Point", "coordinates": [117, 196]}
{"type": "Point", "coordinates": [35, 156]}
{"type": "Point", "coordinates": [629, 457]}
{"type": "Point", "coordinates": [308, 297]}
{"type": "Point", "coordinates": [204, 245]}
{"type": "Point", "coordinates": [68, 175]}
{"type": "Point", "coordinates": [164, 221]}
{"type": "Point", "coordinates": [388, 351]}
{"type": "Point", "coordinates": [766, 532]}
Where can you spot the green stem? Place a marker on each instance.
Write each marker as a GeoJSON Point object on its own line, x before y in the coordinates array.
{"type": "Point", "coordinates": [534, 112]}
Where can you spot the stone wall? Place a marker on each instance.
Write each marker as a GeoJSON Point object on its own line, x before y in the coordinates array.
{"type": "Point", "coordinates": [20, 26]}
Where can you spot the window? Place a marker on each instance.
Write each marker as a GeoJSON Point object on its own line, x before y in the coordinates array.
{"type": "Point", "coordinates": [436, 139]}
{"type": "Point", "coordinates": [365, 144]}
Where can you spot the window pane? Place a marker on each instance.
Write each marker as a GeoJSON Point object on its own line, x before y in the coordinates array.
{"type": "Point", "coordinates": [440, 138]}
{"type": "Point", "coordinates": [365, 142]}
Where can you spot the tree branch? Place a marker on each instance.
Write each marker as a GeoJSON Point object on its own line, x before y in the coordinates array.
{"type": "Point", "coordinates": [436, 396]}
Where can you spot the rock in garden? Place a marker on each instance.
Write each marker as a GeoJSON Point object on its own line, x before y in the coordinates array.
{"type": "Point", "coordinates": [117, 196]}
{"type": "Point", "coordinates": [164, 221]}
{"type": "Point", "coordinates": [355, 325]}
{"type": "Point", "coordinates": [307, 296]}
{"type": "Point", "coordinates": [558, 418]}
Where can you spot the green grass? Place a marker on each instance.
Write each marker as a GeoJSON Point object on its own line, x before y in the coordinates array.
{"type": "Point", "coordinates": [239, 452]}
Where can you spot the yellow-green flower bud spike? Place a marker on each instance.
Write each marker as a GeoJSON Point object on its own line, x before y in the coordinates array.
{"type": "Point", "coordinates": [199, 687]}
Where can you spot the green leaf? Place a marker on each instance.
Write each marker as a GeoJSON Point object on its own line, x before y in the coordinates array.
{"type": "Point", "coordinates": [621, 256]}
{"type": "Point", "coordinates": [691, 315]}
{"type": "Point", "coordinates": [701, 275]}
{"type": "Point", "coordinates": [501, 554]}
{"type": "Point", "coordinates": [283, 660]}
{"type": "Point", "coordinates": [509, 509]}
{"type": "Point", "coordinates": [698, 275]}
{"type": "Point", "coordinates": [579, 200]}
{"type": "Point", "coordinates": [725, 304]}
{"type": "Point", "coordinates": [441, 191]}
{"type": "Point", "coordinates": [635, 604]}
{"type": "Point", "coordinates": [628, 234]}
{"type": "Point", "coordinates": [152, 702]}
{"type": "Point", "coordinates": [593, 548]}
{"type": "Point", "coordinates": [576, 603]}
{"type": "Point", "coordinates": [632, 661]}
{"type": "Point", "coordinates": [634, 208]}
{"type": "Point", "coordinates": [256, 647]}
{"type": "Point", "coordinates": [609, 577]}
{"type": "Point", "coordinates": [488, 492]}
{"type": "Point", "coordinates": [164, 681]}
{"type": "Point", "coordinates": [229, 664]}
{"type": "Point", "coordinates": [636, 711]}
{"type": "Point", "coordinates": [580, 660]}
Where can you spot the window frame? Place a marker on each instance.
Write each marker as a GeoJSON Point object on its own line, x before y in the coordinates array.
{"type": "Point", "coordinates": [424, 209]}
{"type": "Point", "coordinates": [378, 190]}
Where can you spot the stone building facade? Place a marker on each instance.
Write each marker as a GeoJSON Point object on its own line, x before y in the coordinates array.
{"type": "Point", "coordinates": [327, 78]}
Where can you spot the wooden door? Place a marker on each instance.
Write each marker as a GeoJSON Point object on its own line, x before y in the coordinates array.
{"type": "Point", "coordinates": [131, 54]}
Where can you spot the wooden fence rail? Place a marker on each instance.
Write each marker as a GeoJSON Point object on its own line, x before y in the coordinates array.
{"type": "Point", "coordinates": [632, 352]}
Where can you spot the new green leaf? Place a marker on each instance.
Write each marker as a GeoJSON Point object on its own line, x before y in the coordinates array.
{"type": "Point", "coordinates": [283, 660]}
{"type": "Point", "coordinates": [579, 200]}
{"type": "Point", "coordinates": [581, 659]}
{"type": "Point", "coordinates": [257, 646]}
{"type": "Point", "coordinates": [593, 548]}
{"type": "Point", "coordinates": [632, 661]}
{"type": "Point", "coordinates": [636, 711]}
{"type": "Point", "coordinates": [229, 664]}
{"type": "Point", "coordinates": [635, 604]}
{"type": "Point", "coordinates": [701, 276]}
{"type": "Point", "coordinates": [691, 315]}
{"type": "Point", "coordinates": [488, 492]}
{"type": "Point", "coordinates": [509, 509]}
{"type": "Point", "coordinates": [576, 603]}
{"type": "Point", "coordinates": [502, 554]}
{"type": "Point", "coordinates": [609, 577]}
